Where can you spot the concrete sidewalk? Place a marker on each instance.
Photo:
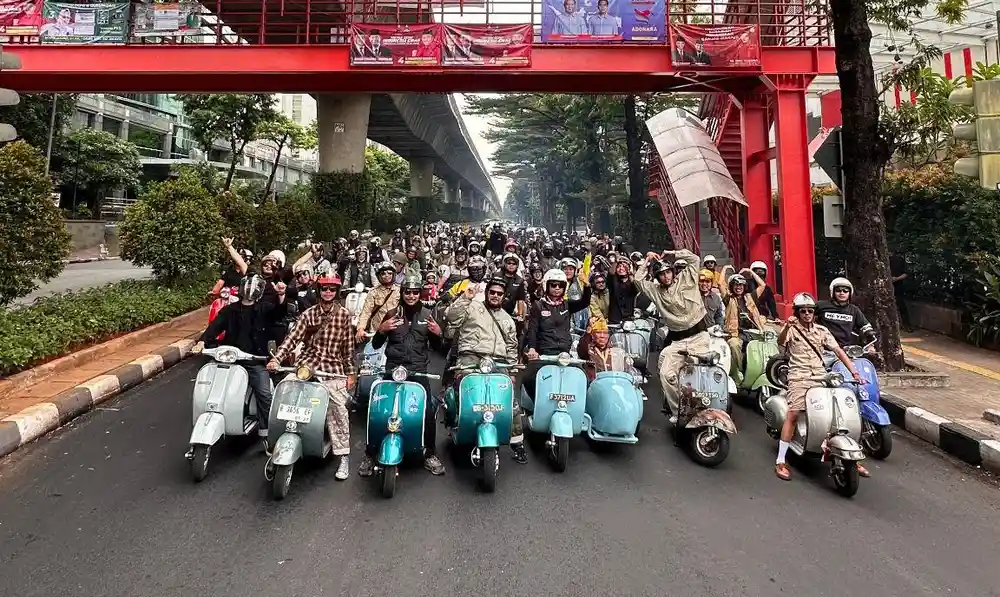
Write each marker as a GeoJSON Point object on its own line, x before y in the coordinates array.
{"type": "Point", "coordinates": [952, 418]}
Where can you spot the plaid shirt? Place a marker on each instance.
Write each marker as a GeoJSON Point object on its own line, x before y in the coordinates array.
{"type": "Point", "coordinates": [328, 339]}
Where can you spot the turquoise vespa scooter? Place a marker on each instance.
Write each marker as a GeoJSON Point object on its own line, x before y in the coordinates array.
{"type": "Point", "coordinates": [615, 402]}
{"type": "Point", "coordinates": [559, 405]}
{"type": "Point", "coordinates": [396, 410]}
{"type": "Point", "coordinates": [480, 415]}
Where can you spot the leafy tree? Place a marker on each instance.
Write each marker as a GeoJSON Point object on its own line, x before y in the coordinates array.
{"type": "Point", "coordinates": [33, 237]}
{"type": "Point", "coordinates": [33, 115]}
{"type": "Point", "coordinates": [283, 133]}
{"type": "Point", "coordinates": [174, 228]}
{"type": "Point", "coordinates": [870, 142]}
{"type": "Point", "coordinates": [234, 118]}
{"type": "Point", "coordinates": [96, 162]}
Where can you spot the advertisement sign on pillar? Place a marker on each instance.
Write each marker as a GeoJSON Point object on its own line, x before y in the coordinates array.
{"type": "Point", "coordinates": [384, 44]}
{"type": "Point", "coordinates": [487, 45]}
{"type": "Point", "coordinates": [714, 46]}
{"type": "Point", "coordinates": [595, 21]}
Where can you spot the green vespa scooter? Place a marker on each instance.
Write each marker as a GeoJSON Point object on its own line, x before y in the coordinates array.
{"type": "Point", "coordinates": [753, 382]}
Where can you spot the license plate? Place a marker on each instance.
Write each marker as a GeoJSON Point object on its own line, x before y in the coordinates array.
{"type": "Point", "coordinates": [563, 397]}
{"type": "Point", "coordinates": [299, 414]}
{"type": "Point", "coordinates": [484, 408]}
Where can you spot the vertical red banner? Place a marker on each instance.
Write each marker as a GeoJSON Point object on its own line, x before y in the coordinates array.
{"type": "Point", "coordinates": [385, 44]}
{"type": "Point", "coordinates": [487, 45]}
{"type": "Point", "coordinates": [714, 46]}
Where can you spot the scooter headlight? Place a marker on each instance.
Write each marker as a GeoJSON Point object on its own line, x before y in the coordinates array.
{"type": "Point", "coordinates": [359, 288]}
{"type": "Point", "coordinates": [486, 365]}
{"type": "Point", "coordinates": [399, 374]}
{"type": "Point", "coordinates": [563, 359]}
{"type": "Point", "coordinates": [487, 417]}
{"type": "Point", "coordinates": [291, 426]}
{"type": "Point", "coordinates": [855, 352]}
{"type": "Point", "coordinates": [226, 356]}
{"type": "Point", "coordinates": [561, 404]}
{"type": "Point", "coordinates": [628, 326]}
{"type": "Point", "coordinates": [303, 373]}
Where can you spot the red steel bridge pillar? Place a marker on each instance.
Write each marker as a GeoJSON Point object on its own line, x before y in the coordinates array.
{"type": "Point", "coordinates": [798, 249]}
{"type": "Point", "coordinates": [757, 183]}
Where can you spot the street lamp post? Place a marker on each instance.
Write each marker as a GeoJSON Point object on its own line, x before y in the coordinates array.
{"type": "Point", "coordinates": [52, 132]}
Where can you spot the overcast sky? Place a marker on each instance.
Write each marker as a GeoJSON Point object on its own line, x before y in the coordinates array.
{"type": "Point", "coordinates": [478, 125]}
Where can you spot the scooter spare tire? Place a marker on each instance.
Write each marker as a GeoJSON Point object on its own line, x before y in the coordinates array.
{"type": "Point", "coordinates": [282, 481]}
{"type": "Point", "coordinates": [776, 371]}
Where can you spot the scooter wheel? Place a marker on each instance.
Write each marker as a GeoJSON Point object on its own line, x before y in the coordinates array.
{"type": "Point", "coordinates": [282, 481]}
{"type": "Point", "coordinates": [876, 440]}
{"type": "Point", "coordinates": [199, 462]}
{"type": "Point", "coordinates": [389, 475]}
{"type": "Point", "coordinates": [707, 451]}
{"type": "Point", "coordinates": [559, 454]}
{"type": "Point", "coordinates": [491, 468]}
{"type": "Point", "coordinates": [848, 480]}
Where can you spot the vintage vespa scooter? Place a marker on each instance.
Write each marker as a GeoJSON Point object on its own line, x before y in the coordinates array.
{"type": "Point", "coordinates": [633, 339]}
{"type": "Point", "coordinates": [559, 406]}
{"type": "Point", "coordinates": [717, 342]}
{"type": "Point", "coordinates": [372, 362]}
{"type": "Point", "coordinates": [703, 425]}
{"type": "Point", "coordinates": [354, 302]}
{"type": "Point", "coordinates": [753, 380]}
{"type": "Point", "coordinates": [480, 415]}
{"type": "Point", "coordinates": [615, 402]}
{"type": "Point", "coordinates": [876, 436]}
{"type": "Point", "coordinates": [830, 428]}
{"type": "Point", "coordinates": [395, 424]}
{"type": "Point", "coordinates": [296, 425]}
{"type": "Point", "coordinates": [222, 404]}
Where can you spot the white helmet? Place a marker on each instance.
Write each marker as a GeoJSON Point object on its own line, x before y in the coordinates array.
{"type": "Point", "coordinates": [840, 283]}
{"type": "Point", "coordinates": [477, 261]}
{"type": "Point", "coordinates": [708, 258]}
{"type": "Point", "coordinates": [803, 299]}
{"type": "Point", "coordinates": [553, 275]}
{"type": "Point", "coordinates": [758, 265]}
{"type": "Point", "coordinates": [278, 256]}
{"type": "Point", "coordinates": [569, 262]}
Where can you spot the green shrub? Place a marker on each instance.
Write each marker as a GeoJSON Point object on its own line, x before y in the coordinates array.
{"type": "Point", "coordinates": [985, 325]}
{"type": "Point", "coordinates": [33, 237]}
{"type": "Point", "coordinates": [174, 228]}
{"type": "Point", "coordinates": [57, 325]}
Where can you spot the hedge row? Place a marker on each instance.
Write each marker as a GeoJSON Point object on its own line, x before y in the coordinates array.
{"type": "Point", "coordinates": [55, 326]}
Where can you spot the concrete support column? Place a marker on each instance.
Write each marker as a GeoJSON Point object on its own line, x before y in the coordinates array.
{"type": "Point", "coordinates": [167, 149]}
{"type": "Point", "coordinates": [421, 177]}
{"type": "Point", "coordinates": [123, 131]}
{"type": "Point", "coordinates": [467, 195]}
{"type": "Point", "coordinates": [452, 192]}
{"type": "Point", "coordinates": [342, 122]}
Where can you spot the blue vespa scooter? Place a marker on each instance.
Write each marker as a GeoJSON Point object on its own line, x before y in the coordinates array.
{"type": "Point", "coordinates": [369, 370]}
{"type": "Point", "coordinates": [559, 406]}
{"type": "Point", "coordinates": [480, 415]}
{"type": "Point", "coordinates": [876, 437]}
{"type": "Point", "coordinates": [395, 428]}
{"type": "Point", "coordinates": [615, 402]}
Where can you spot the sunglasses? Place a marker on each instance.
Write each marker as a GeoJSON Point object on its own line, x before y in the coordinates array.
{"type": "Point", "coordinates": [495, 292]}
{"type": "Point", "coordinates": [411, 293]}
{"type": "Point", "coordinates": [842, 289]}
{"type": "Point", "coordinates": [329, 288]}
{"type": "Point", "coordinates": [301, 274]}
{"type": "Point", "coordinates": [807, 311]}
{"type": "Point", "coordinates": [557, 284]}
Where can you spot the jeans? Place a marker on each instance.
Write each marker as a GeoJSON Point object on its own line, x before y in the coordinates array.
{"type": "Point", "coordinates": [430, 412]}
{"type": "Point", "coordinates": [260, 384]}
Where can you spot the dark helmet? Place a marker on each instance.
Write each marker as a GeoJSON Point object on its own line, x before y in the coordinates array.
{"type": "Point", "coordinates": [658, 268]}
{"type": "Point", "coordinates": [497, 281]}
{"type": "Point", "coordinates": [252, 288]}
{"type": "Point", "coordinates": [412, 282]}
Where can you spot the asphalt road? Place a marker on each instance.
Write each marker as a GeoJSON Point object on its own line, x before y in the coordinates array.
{"type": "Point", "coordinates": [78, 276]}
{"type": "Point", "coordinates": [105, 507]}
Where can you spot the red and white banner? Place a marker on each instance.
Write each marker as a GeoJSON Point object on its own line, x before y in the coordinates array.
{"type": "Point", "coordinates": [487, 45]}
{"type": "Point", "coordinates": [385, 44]}
{"type": "Point", "coordinates": [21, 17]}
{"type": "Point", "coordinates": [714, 46]}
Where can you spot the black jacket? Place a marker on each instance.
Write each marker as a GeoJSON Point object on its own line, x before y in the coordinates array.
{"type": "Point", "coordinates": [548, 329]}
{"type": "Point", "coordinates": [410, 344]}
{"type": "Point", "coordinates": [844, 321]}
{"type": "Point", "coordinates": [621, 306]}
{"type": "Point", "coordinates": [246, 327]}
{"type": "Point", "coordinates": [516, 291]}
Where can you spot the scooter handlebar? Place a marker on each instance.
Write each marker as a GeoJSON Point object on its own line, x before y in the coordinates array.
{"type": "Point", "coordinates": [240, 355]}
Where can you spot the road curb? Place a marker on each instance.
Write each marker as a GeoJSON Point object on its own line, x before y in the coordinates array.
{"type": "Point", "coordinates": [89, 259]}
{"type": "Point", "coordinates": [960, 441]}
{"type": "Point", "coordinates": [38, 420]}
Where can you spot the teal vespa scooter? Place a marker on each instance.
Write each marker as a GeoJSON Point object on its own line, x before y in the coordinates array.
{"type": "Point", "coordinates": [480, 415]}
{"type": "Point", "coordinates": [396, 411]}
{"type": "Point", "coordinates": [559, 405]}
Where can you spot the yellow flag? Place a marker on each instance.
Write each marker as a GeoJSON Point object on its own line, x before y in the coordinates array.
{"type": "Point", "coordinates": [459, 287]}
{"type": "Point", "coordinates": [585, 271]}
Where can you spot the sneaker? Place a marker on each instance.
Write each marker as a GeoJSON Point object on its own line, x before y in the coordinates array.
{"type": "Point", "coordinates": [434, 465]}
{"type": "Point", "coordinates": [367, 464]}
{"type": "Point", "coordinates": [343, 469]}
{"type": "Point", "coordinates": [518, 453]}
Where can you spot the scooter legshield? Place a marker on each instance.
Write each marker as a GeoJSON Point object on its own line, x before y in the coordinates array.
{"type": "Point", "coordinates": [873, 411]}
{"type": "Point", "coordinates": [208, 429]}
{"type": "Point", "coordinates": [487, 436]}
{"type": "Point", "coordinates": [287, 450]}
{"type": "Point", "coordinates": [561, 424]}
{"type": "Point", "coordinates": [390, 453]}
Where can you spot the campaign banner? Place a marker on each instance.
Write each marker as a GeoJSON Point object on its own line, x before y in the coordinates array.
{"type": "Point", "coordinates": [20, 17]}
{"type": "Point", "coordinates": [386, 44]}
{"type": "Point", "coordinates": [595, 21]}
{"type": "Point", "coordinates": [487, 45]}
{"type": "Point", "coordinates": [84, 23]}
{"type": "Point", "coordinates": [714, 46]}
{"type": "Point", "coordinates": [166, 19]}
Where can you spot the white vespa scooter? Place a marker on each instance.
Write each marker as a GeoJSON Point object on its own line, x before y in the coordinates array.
{"type": "Point", "coordinates": [717, 343]}
{"type": "Point", "coordinates": [830, 428]}
{"type": "Point", "coordinates": [222, 404]}
{"type": "Point", "coordinates": [354, 302]}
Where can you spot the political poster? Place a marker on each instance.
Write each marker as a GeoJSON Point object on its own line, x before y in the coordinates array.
{"type": "Point", "coordinates": [166, 19]}
{"type": "Point", "coordinates": [385, 44]}
{"type": "Point", "coordinates": [105, 23]}
{"type": "Point", "coordinates": [596, 21]}
{"type": "Point", "coordinates": [487, 45]}
{"type": "Point", "coordinates": [20, 18]}
{"type": "Point", "coordinates": [714, 46]}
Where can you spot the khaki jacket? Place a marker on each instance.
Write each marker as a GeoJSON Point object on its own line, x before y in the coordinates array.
{"type": "Point", "coordinates": [481, 331]}
{"type": "Point", "coordinates": [379, 303]}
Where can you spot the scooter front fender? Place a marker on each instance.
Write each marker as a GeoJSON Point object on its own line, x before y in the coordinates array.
{"type": "Point", "coordinates": [732, 386]}
{"type": "Point", "coordinates": [390, 453]}
{"type": "Point", "coordinates": [208, 429]}
{"type": "Point", "coordinates": [761, 382]}
{"type": "Point", "coordinates": [487, 436]}
{"type": "Point", "coordinates": [287, 450]}
{"type": "Point", "coordinates": [845, 448]}
{"type": "Point", "coordinates": [711, 417]}
{"type": "Point", "coordinates": [561, 424]}
{"type": "Point", "coordinates": [873, 411]}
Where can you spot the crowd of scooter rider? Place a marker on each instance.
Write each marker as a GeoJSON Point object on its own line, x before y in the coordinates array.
{"type": "Point", "coordinates": [541, 294]}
